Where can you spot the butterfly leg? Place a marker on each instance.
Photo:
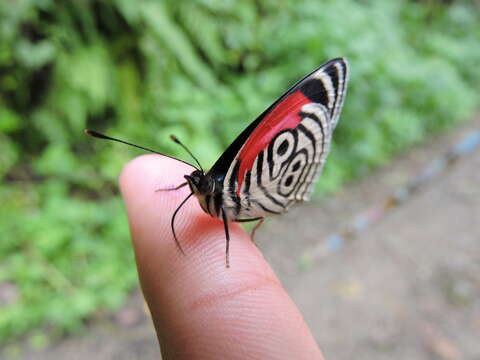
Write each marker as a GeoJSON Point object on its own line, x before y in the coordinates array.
{"type": "Point", "coordinates": [172, 222]}
{"type": "Point", "coordinates": [257, 225]}
{"type": "Point", "coordinates": [227, 237]}
{"type": "Point", "coordinates": [172, 189]}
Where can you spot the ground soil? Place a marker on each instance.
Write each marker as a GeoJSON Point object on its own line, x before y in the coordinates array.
{"type": "Point", "coordinates": [407, 287]}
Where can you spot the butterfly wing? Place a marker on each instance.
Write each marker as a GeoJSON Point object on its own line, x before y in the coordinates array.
{"type": "Point", "coordinates": [275, 161]}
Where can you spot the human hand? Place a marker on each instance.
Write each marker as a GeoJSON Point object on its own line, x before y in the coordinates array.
{"type": "Point", "coordinates": [201, 309]}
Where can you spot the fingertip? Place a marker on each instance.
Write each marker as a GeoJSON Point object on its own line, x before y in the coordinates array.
{"type": "Point", "coordinates": [149, 211]}
{"type": "Point", "coordinates": [197, 304]}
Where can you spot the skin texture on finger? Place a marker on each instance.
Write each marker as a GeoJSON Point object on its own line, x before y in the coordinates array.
{"type": "Point", "coordinates": [201, 309]}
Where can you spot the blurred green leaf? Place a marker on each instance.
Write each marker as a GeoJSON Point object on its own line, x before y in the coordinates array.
{"type": "Point", "coordinates": [34, 55]}
{"type": "Point", "coordinates": [9, 120]}
{"type": "Point", "coordinates": [8, 155]}
{"type": "Point", "coordinates": [156, 16]}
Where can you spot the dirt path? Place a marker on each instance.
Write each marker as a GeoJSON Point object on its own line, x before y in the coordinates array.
{"type": "Point", "coordinates": [406, 288]}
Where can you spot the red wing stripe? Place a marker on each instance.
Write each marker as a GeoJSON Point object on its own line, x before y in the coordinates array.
{"type": "Point", "coordinates": [286, 115]}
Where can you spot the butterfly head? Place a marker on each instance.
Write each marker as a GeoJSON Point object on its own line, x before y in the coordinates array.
{"type": "Point", "coordinates": [201, 183]}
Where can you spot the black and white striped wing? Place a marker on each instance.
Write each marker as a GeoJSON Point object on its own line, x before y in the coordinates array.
{"type": "Point", "coordinates": [280, 156]}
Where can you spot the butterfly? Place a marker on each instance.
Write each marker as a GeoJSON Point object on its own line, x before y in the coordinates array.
{"type": "Point", "coordinates": [276, 160]}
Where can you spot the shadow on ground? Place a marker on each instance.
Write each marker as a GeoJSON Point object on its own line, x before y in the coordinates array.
{"type": "Point", "coordinates": [406, 288]}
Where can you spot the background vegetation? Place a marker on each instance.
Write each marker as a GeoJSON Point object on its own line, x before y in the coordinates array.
{"type": "Point", "coordinates": [202, 70]}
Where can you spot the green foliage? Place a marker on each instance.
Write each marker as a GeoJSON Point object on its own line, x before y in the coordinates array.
{"type": "Point", "coordinates": [201, 70]}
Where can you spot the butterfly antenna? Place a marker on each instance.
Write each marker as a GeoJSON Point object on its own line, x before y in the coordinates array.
{"type": "Point", "coordinates": [105, 137]}
{"type": "Point", "coordinates": [175, 140]}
